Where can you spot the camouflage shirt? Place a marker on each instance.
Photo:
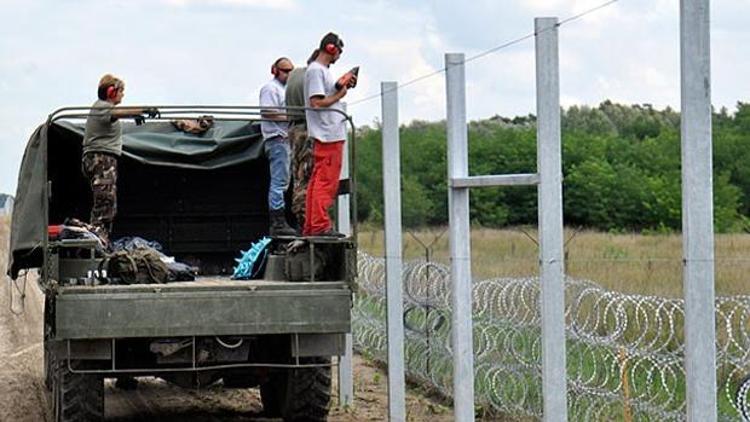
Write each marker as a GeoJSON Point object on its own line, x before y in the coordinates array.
{"type": "Point", "coordinates": [103, 132]}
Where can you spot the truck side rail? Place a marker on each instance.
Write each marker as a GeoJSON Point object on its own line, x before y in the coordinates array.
{"type": "Point", "coordinates": [250, 114]}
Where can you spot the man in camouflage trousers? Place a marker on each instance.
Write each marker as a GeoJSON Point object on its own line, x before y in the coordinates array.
{"type": "Point", "coordinates": [302, 168]}
{"type": "Point", "coordinates": [102, 145]}
{"type": "Point", "coordinates": [302, 161]}
{"type": "Point", "coordinates": [101, 171]}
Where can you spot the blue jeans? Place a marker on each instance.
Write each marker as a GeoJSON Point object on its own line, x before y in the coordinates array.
{"type": "Point", "coordinates": [278, 151]}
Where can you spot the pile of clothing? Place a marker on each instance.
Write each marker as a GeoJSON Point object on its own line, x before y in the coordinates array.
{"type": "Point", "coordinates": [138, 261]}
{"type": "Point", "coordinates": [197, 126]}
{"type": "Point", "coordinates": [128, 260]}
{"type": "Point", "coordinates": [75, 229]}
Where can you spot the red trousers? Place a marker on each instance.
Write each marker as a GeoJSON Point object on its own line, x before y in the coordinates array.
{"type": "Point", "coordinates": [323, 186]}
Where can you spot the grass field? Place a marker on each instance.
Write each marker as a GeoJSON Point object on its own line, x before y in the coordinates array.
{"type": "Point", "coordinates": [627, 263]}
{"type": "Point", "coordinates": [648, 349]}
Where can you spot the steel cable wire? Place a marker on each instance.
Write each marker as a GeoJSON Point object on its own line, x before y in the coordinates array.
{"type": "Point", "coordinates": [486, 52]}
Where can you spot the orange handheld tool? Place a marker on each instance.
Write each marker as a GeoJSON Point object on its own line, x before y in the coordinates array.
{"type": "Point", "coordinates": [348, 79]}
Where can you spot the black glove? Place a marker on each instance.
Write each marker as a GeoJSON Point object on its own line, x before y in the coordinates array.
{"type": "Point", "coordinates": [139, 120]}
{"type": "Point", "coordinates": [152, 112]}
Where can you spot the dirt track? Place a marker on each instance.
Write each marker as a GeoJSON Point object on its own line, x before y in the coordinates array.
{"type": "Point", "coordinates": [23, 396]}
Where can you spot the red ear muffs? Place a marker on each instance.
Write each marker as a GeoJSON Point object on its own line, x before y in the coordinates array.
{"type": "Point", "coordinates": [331, 49]}
{"type": "Point", "coordinates": [111, 91]}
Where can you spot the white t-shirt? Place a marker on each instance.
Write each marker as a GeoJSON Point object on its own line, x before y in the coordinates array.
{"type": "Point", "coordinates": [273, 94]}
{"type": "Point", "coordinates": [325, 126]}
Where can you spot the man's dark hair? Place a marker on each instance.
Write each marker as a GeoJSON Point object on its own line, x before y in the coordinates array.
{"type": "Point", "coordinates": [279, 60]}
{"type": "Point", "coordinates": [331, 38]}
{"type": "Point", "coordinates": [313, 56]}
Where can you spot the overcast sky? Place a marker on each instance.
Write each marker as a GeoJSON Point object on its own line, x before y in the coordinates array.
{"type": "Point", "coordinates": [52, 53]}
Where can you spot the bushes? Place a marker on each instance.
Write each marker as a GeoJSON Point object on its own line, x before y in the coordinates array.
{"type": "Point", "coordinates": [621, 168]}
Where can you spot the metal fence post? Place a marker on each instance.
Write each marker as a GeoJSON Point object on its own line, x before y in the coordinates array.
{"type": "Point", "coordinates": [460, 243]}
{"type": "Point", "coordinates": [697, 211]}
{"type": "Point", "coordinates": [343, 222]}
{"type": "Point", "coordinates": [554, 385]}
{"type": "Point", "coordinates": [393, 259]}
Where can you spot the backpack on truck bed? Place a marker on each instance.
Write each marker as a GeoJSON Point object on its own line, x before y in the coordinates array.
{"type": "Point", "coordinates": [137, 266]}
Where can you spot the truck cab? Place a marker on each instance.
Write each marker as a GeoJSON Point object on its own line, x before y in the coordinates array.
{"type": "Point", "coordinates": [204, 199]}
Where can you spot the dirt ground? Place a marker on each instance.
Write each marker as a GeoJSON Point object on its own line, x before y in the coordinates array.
{"type": "Point", "coordinates": [23, 396]}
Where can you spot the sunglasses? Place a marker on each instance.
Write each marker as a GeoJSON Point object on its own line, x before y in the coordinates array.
{"type": "Point", "coordinates": [286, 70]}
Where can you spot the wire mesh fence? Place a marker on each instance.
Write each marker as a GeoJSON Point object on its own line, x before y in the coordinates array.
{"type": "Point", "coordinates": [625, 352]}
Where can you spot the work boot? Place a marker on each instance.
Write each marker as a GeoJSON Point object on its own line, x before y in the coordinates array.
{"type": "Point", "coordinates": [279, 226]}
{"type": "Point", "coordinates": [329, 233]}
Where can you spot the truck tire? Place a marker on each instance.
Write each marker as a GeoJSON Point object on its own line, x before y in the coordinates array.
{"type": "Point", "coordinates": [48, 365]}
{"type": "Point", "coordinates": [48, 344]}
{"type": "Point", "coordinates": [270, 395]}
{"type": "Point", "coordinates": [76, 397]}
{"type": "Point", "coordinates": [301, 394]}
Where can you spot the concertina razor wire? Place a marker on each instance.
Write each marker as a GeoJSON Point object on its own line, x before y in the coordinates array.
{"type": "Point", "coordinates": [625, 353]}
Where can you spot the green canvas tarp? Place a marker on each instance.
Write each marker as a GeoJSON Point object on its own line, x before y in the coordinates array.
{"type": "Point", "coordinates": [226, 144]}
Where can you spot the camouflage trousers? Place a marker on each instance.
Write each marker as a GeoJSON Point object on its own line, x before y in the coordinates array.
{"type": "Point", "coordinates": [101, 171]}
{"type": "Point", "coordinates": [302, 164]}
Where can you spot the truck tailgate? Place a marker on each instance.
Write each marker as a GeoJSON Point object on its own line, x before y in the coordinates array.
{"type": "Point", "coordinates": [207, 306]}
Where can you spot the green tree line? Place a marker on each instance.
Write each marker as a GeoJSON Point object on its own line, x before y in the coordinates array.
{"type": "Point", "coordinates": [621, 169]}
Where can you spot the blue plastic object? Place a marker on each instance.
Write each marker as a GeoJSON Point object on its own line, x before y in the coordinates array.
{"type": "Point", "coordinates": [252, 259]}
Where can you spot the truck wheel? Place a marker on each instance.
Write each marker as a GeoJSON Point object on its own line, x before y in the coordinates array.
{"type": "Point", "coordinates": [76, 397]}
{"type": "Point", "coordinates": [49, 354]}
{"type": "Point", "coordinates": [301, 394]}
{"type": "Point", "coordinates": [270, 395]}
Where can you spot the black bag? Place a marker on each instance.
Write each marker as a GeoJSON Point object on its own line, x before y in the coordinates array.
{"type": "Point", "coordinates": [180, 272]}
{"type": "Point", "coordinates": [298, 267]}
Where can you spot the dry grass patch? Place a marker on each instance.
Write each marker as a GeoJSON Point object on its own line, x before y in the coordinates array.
{"type": "Point", "coordinates": [628, 263]}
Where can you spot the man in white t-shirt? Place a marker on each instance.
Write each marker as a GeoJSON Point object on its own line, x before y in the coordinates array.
{"type": "Point", "coordinates": [276, 144]}
{"type": "Point", "coordinates": [326, 125]}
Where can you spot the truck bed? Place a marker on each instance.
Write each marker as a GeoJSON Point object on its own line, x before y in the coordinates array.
{"type": "Point", "coordinates": [204, 307]}
{"type": "Point", "coordinates": [201, 283]}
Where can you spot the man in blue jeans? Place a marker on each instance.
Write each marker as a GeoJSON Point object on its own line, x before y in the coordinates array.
{"type": "Point", "coordinates": [276, 143]}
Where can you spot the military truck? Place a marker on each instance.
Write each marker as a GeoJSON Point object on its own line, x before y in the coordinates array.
{"type": "Point", "coordinates": [204, 199]}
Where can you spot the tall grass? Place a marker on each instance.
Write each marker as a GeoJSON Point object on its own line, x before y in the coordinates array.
{"type": "Point", "coordinates": [625, 352]}
{"type": "Point", "coordinates": [627, 263]}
